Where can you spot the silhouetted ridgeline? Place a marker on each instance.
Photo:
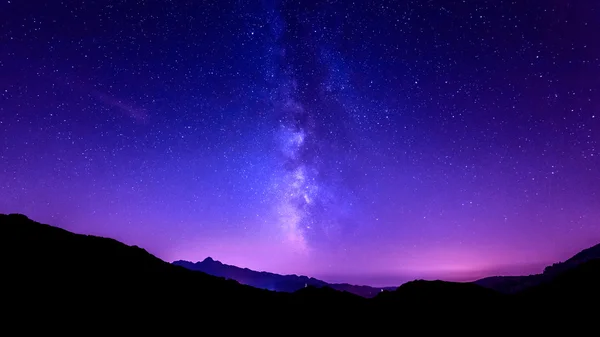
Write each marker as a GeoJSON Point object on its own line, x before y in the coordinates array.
{"type": "Point", "coordinates": [271, 281]}
{"type": "Point", "coordinates": [292, 283]}
{"type": "Point", "coordinates": [55, 280]}
{"type": "Point", "coordinates": [515, 284]}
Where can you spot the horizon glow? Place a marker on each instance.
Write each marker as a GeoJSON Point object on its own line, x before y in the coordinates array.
{"type": "Point", "coordinates": [368, 143]}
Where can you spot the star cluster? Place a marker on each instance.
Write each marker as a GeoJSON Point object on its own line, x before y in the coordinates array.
{"type": "Point", "coordinates": [365, 142]}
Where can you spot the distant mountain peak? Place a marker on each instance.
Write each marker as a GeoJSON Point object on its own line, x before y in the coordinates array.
{"type": "Point", "coordinates": [271, 281]}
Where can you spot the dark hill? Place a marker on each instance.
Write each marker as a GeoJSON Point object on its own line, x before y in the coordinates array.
{"type": "Point", "coordinates": [54, 257]}
{"type": "Point", "coordinates": [591, 253]}
{"type": "Point", "coordinates": [515, 284]}
{"type": "Point", "coordinates": [426, 293]}
{"type": "Point", "coordinates": [55, 280]}
{"type": "Point", "coordinates": [49, 272]}
{"type": "Point", "coordinates": [441, 299]}
{"type": "Point", "coordinates": [63, 251]}
{"type": "Point", "coordinates": [577, 285]}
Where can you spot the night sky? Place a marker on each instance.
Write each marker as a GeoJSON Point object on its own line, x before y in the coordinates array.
{"type": "Point", "coordinates": [363, 141]}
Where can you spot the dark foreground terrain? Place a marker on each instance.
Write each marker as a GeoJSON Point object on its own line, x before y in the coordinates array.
{"type": "Point", "coordinates": [55, 280]}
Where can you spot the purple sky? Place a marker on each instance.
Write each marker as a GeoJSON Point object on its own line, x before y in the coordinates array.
{"type": "Point", "coordinates": [366, 143]}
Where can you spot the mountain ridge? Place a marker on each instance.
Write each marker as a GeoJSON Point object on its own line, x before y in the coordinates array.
{"type": "Point", "coordinates": [514, 284]}
{"type": "Point", "coordinates": [293, 282]}
{"type": "Point", "coordinates": [273, 281]}
{"type": "Point", "coordinates": [55, 277]}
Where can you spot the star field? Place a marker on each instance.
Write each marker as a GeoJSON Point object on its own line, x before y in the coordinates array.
{"type": "Point", "coordinates": [366, 142]}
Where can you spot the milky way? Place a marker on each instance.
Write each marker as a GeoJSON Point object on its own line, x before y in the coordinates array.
{"type": "Point", "coordinates": [356, 141]}
{"type": "Point", "coordinates": [297, 186]}
{"type": "Point", "coordinates": [306, 197]}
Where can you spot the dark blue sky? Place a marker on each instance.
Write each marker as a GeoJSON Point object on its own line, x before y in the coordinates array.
{"type": "Point", "coordinates": [350, 140]}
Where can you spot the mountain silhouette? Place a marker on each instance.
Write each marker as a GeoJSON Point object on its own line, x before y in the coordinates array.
{"type": "Point", "coordinates": [272, 281]}
{"type": "Point", "coordinates": [292, 283]}
{"type": "Point", "coordinates": [515, 284]}
{"type": "Point", "coordinates": [55, 280]}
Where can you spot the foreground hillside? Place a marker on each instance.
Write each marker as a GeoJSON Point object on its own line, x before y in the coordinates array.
{"type": "Point", "coordinates": [56, 278]}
